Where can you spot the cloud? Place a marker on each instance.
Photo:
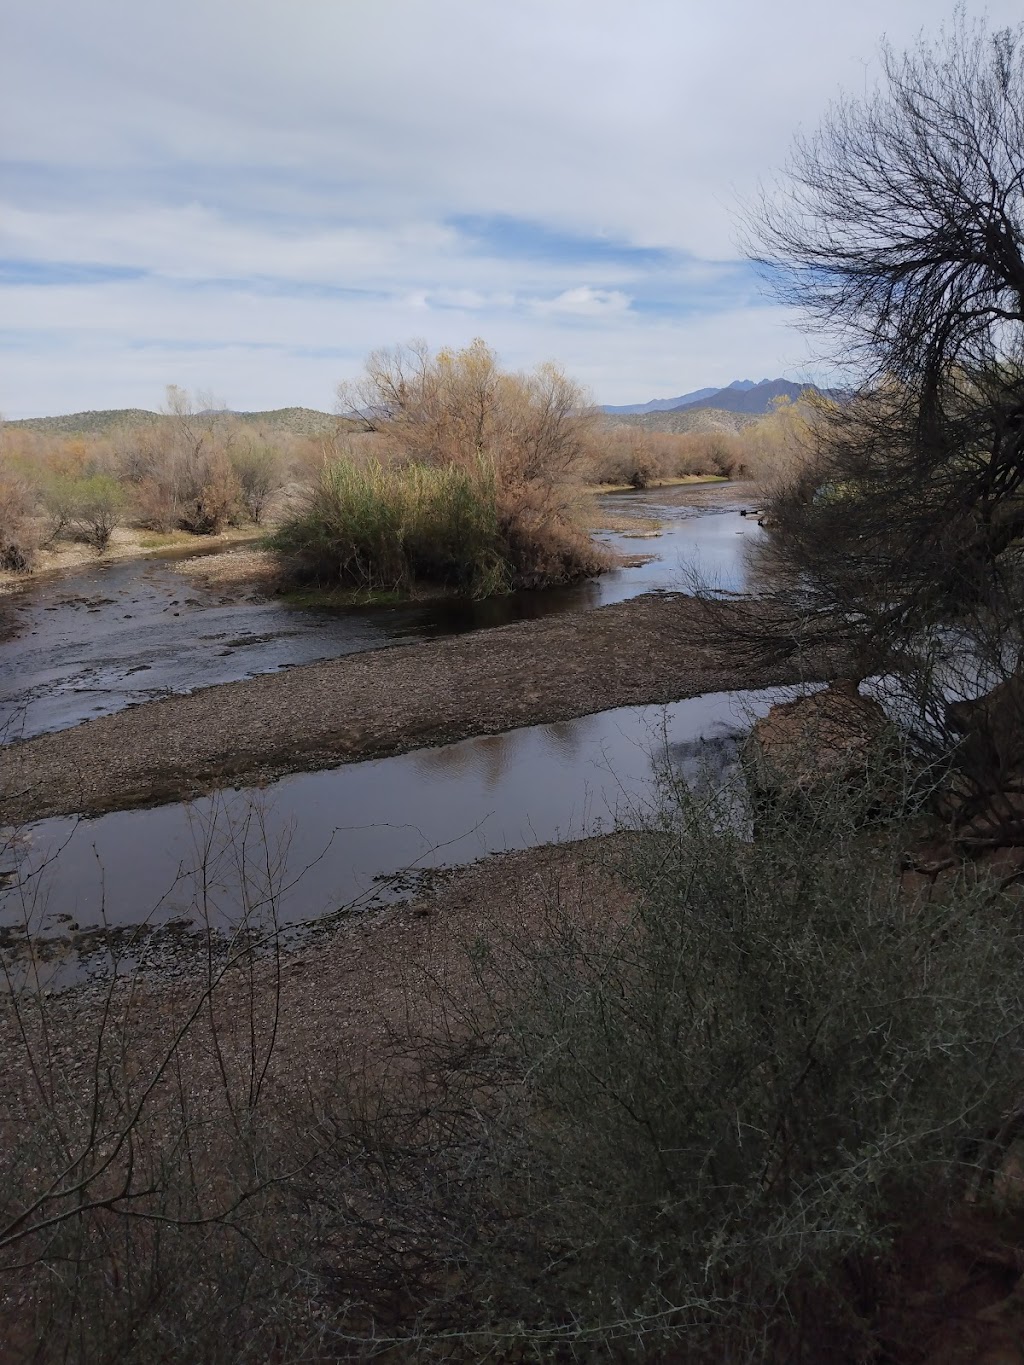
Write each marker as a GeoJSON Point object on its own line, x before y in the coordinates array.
{"type": "Point", "coordinates": [584, 301]}
{"type": "Point", "coordinates": [247, 178]}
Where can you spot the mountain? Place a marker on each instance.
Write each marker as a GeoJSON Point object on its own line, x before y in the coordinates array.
{"type": "Point", "coordinates": [659, 404]}
{"type": "Point", "coordinates": [693, 418]}
{"type": "Point", "coordinates": [757, 399]}
{"type": "Point", "coordinates": [742, 395]}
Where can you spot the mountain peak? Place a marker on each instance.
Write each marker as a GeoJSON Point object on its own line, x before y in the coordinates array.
{"type": "Point", "coordinates": [742, 395]}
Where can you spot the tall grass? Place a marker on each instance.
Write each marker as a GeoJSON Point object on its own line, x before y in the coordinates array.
{"type": "Point", "coordinates": [394, 527]}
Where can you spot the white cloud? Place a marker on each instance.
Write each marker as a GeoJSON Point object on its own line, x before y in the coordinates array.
{"type": "Point", "coordinates": [584, 301]}
{"type": "Point", "coordinates": [336, 146]}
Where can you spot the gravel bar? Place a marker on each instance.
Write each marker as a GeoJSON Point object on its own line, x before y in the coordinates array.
{"type": "Point", "coordinates": [647, 650]}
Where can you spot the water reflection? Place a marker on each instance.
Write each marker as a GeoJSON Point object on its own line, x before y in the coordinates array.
{"type": "Point", "coordinates": [316, 841]}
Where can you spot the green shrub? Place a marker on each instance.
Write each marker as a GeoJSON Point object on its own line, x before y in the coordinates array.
{"type": "Point", "coordinates": [688, 1133]}
{"type": "Point", "coordinates": [393, 527]}
{"type": "Point", "coordinates": [90, 506]}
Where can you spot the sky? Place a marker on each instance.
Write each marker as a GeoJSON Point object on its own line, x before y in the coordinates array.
{"type": "Point", "coordinates": [245, 197]}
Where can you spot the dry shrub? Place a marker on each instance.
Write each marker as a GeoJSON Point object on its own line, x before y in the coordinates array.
{"type": "Point", "coordinates": [259, 468]}
{"type": "Point", "coordinates": [630, 454]}
{"type": "Point", "coordinates": [181, 471]}
{"type": "Point", "coordinates": [208, 493]}
{"type": "Point", "coordinates": [18, 536]}
{"type": "Point", "coordinates": [779, 449]}
{"type": "Point", "coordinates": [713, 452]}
{"type": "Point", "coordinates": [542, 543]}
{"type": "Point", "coordinates": [455, 406]}
{"type": "Point", "coordinates": [774, 449]}
{"type": "Point", "coordinates": [473, 471]}
{"type": "Point", "coordinates": [624, 454]}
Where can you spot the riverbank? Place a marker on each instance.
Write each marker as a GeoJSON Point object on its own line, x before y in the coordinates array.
{"type": "Point", "coordinates": [254, 566]}
{"type": "Point", "coordinates": [647, 650]}
{"type": "Point", "coordinates": [682, 481]}
{"type": "Point", "coordinates": [353, 1011]}
{"type": "Point", "coordinates": [125, 543]}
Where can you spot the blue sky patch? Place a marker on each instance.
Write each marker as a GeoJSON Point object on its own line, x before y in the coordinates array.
{"type": "Point", "coordinates": [64, 272]}
{"type": "Point", "coordinates": [523, 239]}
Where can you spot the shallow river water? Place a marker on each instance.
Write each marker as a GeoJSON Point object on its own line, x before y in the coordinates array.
{"type": "Point", "coordinates": [113, 635]}
{"type": "Point", "coordinates": [356, 834]}
{"type": "Point", "coordinates": [361, 834]}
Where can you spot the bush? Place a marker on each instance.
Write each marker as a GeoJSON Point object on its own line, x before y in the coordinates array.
{"type": "Point", "coordinates": [385, 528]}
{"type": "Point", "coordinates": [625, 455]}
{"type": "Point", "coordinates": [180, 469]}
{"type": "Point", "coordinates": [630, 454]}
{"type": "Point", "coordinates": [90, 506]}
{"type": "Point", "coordinates": [259, 471]}
{"type": "Point", "coordinates": [18, 541]}
{"type": "Point", "coordinates": [207, 493]}
{"type": "Point", "coordinates": [690, 1133]}
{"type": "Point", "coordinates": [682, 1123]}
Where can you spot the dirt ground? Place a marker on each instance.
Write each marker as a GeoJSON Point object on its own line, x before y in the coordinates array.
{"type": "Point", "coordinates": [348, 1002]}
{"type": "Point", "coordinates": [649, 650]}
{"type": "Point", "coordinates": [350, 985]}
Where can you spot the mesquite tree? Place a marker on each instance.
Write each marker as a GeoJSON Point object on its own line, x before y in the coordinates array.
{"type": "Point", "coordinates": [898, 230]}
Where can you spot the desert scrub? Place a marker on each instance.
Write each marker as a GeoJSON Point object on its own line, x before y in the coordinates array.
{"type": "Point", "coordinates": [691, 1132]}
{"type": "Point", "coordinates": [393, 527]}
{"type": "Point", "coordinates": [88, 507]}
{"type": "Point", "coordinates": [18, 537]}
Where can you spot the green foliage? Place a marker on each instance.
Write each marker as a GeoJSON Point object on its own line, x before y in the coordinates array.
{"type": "Point", "coordinates": [394, 527]}
{"type": "Point", "coordinates": [685, 1133]}
{"type": "Point", "coordinates": [89, 505]}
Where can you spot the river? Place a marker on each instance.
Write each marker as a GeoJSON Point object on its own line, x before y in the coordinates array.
{"type": "Point", "coordinates": [316, 844]}
{"type": "Point", "coordinates": [120, 633]}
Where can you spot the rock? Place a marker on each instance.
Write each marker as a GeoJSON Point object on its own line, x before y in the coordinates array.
{"type": "Point", "coordinates": [824, 738]}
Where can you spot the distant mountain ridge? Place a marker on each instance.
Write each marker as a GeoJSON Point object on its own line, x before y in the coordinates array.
{"type": "Point", "coordinates": [740, 402]}
{"type": "Point", "coordinates": [299, 421]}
{"type": "Point", "coordinates": [695, 418]}
{"type": "Point", "coordinates": [742, 395]}
{"type": "Point", "coordinates": [657, 404]}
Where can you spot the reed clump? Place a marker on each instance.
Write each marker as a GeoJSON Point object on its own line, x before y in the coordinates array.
{"type": "Point", "coordinates": [398, 527]}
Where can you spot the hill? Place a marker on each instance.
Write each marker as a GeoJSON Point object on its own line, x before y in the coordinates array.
{"type": "Point", "coordinates": [298, 421]}
{"type": "Point", "coordinates": [657, 404]}
{"type": "Point", "coordinates": [689, 419]}
{"type": "Point", "coordinates": [683, 401]}
{"type": "Point", "coordinates": [92, 423]}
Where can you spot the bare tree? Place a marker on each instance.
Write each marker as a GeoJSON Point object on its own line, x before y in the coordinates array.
{"type": "Point", "coordinates": [899, 231]}
{"type": "Point", "coordinates": [456, 406]}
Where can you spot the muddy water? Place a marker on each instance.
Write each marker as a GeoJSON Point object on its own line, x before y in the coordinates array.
{"type": "Point", "coordinates": [356, 834]}
{"type": "Point", "coordinates": [117, 634]}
